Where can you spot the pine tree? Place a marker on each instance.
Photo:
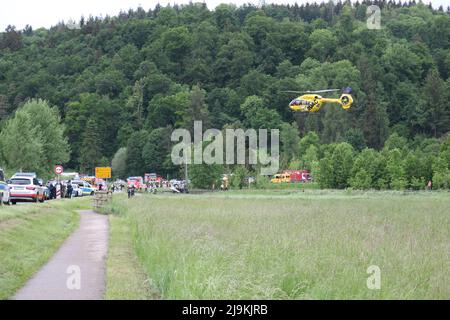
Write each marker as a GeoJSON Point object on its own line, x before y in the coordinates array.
{"type": "Point", "coordinates": [3, 106]}
{"type": "Point", "coordinates": [136, 104]}
{"type": "Point", "coordinates": [197, 110]}
{"type": "Point", "coordinates": [91, 148]}
{"type": "Point", "coordinates": [435, 101]}
{"type": "Point", "coordinates": [119, 163]}
{"type": "Point", "coordinates": [135, 145]}
{"type": "Point", "coordinates": [375, 116]}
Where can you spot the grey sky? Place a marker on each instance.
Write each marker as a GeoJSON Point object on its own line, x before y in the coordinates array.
{"type": "Point", "coordinates": [45, 13]}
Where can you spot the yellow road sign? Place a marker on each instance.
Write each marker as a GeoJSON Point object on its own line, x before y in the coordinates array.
{"type": "Point", "coordinates": [103, 172]}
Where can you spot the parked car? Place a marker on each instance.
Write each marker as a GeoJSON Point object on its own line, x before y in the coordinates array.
{"type": "Point", "coordinates": [5, 193]}
{"type": "Point", "coordinates": [86, 187]}
{"type": "Point", "coordinates": [137, 182]}
{"type": "Point", "coordinates": [46, 191]}
{"type": "Point", "coordinates": [76, 190]}
{"type": "Point", "coordinates": [179, 186]}
{"type": "Point", "coordinates": [4, 189]}
{"type": "Point", "coordinates": [25, 188]}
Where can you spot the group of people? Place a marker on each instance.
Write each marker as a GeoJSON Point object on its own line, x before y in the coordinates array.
{"type": "Point", "coordinates": [117, 187]}
{"type": "Point", "coordinates": [131, 191]}
{"type": "Point", "coordinates": [52, 189]}
{"type": "Point", "coordinates": [66, 189]}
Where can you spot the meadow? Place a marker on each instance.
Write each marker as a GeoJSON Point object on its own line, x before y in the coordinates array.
{"type": "Point", "coordinates": [29, 236]}
{"type": "Point", "coordinates": [291, 245]}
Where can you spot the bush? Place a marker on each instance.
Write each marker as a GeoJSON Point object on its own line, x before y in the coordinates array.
{"type": "Point", "coordinates": [441, 179]}
{"type": "Point", "coordinates": [262, 182]}
{"type": "Point", "coordinates": [205, 176]}
{"type": "Point", "coordinates": [237, 180]}
{"type": "Point", "coordinates": [398, 184]}
{"type": "Point", "coordinates": [362, 180]}
{"type": "Point", "coordinates": [417, 183]}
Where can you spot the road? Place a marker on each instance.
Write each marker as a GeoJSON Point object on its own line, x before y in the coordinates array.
{"type": "Point", "coordinates": [77, 270]}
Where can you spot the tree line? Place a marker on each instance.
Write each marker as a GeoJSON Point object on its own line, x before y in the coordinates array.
{"type": "Point", "coordinates": [122, 84]}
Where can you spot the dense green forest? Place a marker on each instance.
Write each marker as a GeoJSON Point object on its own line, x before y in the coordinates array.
{"type": "Point", "coordinates": [121, 84]}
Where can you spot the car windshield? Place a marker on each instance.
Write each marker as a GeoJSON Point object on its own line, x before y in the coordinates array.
{"type": "Point", "coordinates": [20, 181]}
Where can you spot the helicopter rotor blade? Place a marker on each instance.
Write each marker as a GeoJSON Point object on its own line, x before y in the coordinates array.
{"type": "Point", "coordinates": [320, 91]}
{"type": "Point", "coordinates": [291, 91]}
{"type": "Point", "coordinates": [314, 91]}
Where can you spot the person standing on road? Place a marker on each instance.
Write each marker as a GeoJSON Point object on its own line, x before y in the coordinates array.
{"type": "Point", "coordinates": [69, 189]}
{"type": "Point", "coordinates": [52, 190]}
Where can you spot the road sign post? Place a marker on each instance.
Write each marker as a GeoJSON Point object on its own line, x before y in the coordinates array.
{"type": "Point", "coordinates": [101, 197]}
{"type": "Point", "coordinates": [103, 172]}
{"type": "Point", "coordinates": [59, 169]}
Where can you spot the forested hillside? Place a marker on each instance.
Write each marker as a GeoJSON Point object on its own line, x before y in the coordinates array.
{"type": "Point", "coordinates": [123, 83]}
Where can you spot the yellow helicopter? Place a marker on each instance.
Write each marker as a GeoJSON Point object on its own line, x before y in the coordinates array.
{"type": "Point", "coordinates": [312, 102]}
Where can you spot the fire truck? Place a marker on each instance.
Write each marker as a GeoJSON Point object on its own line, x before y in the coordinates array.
{"type": "Point", "coordinates": [137, 182]}
{"type": "Point", "coordinates": [298, 175]}
{"type": "Point", "coordinates": [292, 176]}
{"type": "Point", "coordinates": [152, 177]}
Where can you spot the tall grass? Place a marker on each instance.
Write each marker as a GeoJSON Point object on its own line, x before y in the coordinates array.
{"type": "Point", "coordinates": [292, 246]}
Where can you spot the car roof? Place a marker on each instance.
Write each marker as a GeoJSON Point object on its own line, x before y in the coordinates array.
{"type": "Point", "coordinates": [21, 177]}
{"type": "Point", "coordinates": [25, 174]}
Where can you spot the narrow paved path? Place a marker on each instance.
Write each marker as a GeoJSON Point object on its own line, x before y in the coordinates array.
{"type": "Point", "coordinates": [77, 270]}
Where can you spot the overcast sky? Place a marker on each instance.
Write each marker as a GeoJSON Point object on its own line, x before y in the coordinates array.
{"type": "Point", "coordinates": [45, 13]}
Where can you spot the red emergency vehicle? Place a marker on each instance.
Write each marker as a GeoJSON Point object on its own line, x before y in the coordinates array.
{"type": "Point", "coordinates": [152, 177]}
{"type": "Point", "coordinates": [138, 182]}
{"type": "Point", "coordinates": [298, 175]}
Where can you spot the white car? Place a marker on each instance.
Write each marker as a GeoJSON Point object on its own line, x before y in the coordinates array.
{"type": "Point", "coordinates": [24, 188]}
{"type": "Point", "coordinates": [76, 190]}
{"type": "Point", "coordinates": [86, 188]}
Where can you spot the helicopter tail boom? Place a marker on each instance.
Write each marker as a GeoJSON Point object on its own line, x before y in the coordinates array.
{"type": "Point", "coordinates": [345, 100]}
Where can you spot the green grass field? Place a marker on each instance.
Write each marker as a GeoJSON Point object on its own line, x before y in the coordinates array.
{"type": "Point", "coordinates": [291, 245]}
{"type": "Point", "coordinates": [29, 235]}
{"type": "Point", "coordinates": [126, 280]}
